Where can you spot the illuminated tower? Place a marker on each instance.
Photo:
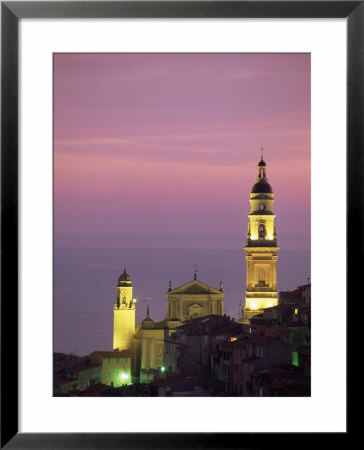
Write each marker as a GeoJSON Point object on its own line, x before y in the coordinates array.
{"type": "Point", "coordinates": [124, 314]}
{"type": "Point", "coordinates": [261, 248]}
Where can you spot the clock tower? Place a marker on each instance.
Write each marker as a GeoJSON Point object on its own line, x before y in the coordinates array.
{"type": "Point", "coordinates": [261, 248]}
{"type": "Point", "coordinates": [124, 314]}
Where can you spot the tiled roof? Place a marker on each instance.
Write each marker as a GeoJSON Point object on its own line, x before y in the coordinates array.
{"type": "Point", "coordinates": [195, 287]}
{"type": "Point", "coordinates": [240, 343]}
{"type": "Point", "coordinates": [281, 307]}
{"type": "Point", "coordinates": [290, 295]}
{"type": "Point", "coordinates": [91, 390]}
{"type": "Point", "coordinates": [227, 329]}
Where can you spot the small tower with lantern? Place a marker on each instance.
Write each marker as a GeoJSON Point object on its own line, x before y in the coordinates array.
{"type": "Point", "coordinates": [124, 314]}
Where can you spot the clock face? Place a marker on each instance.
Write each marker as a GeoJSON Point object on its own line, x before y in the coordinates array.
{"type": "Point", "coordinates": [123, 293]}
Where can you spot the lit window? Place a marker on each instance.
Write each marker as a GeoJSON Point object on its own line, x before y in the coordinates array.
{"type": "Point", "coordinates": [296, 311]}
{"type": "Point", "coordinates": [117, 373]}
{"type": "Point", "coordinates": [232, 339]}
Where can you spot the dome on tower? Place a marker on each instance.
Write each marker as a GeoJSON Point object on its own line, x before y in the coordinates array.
{"type": "Point", "coordinates": [124, 279]}
{"type": "Point", "coordinates": [262, 187]}
{"type": "Point", "coordinates": [262, 163]}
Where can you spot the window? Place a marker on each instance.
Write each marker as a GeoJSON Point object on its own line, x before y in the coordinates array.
{"type": "Point", "coordinates": [109, 374]}
{"type": "Point", "coordinates": [262, 207]}
{"type": "Point", "coordinates": [109, 360]}
{"type": "Point", "coordinates": [261, 231]}
{"type": "Point", "coordinates": [117, 373]}
{"type": "Point", "coordinates": [261, 277]}
{"type": "Point", "coordinates": [126, 360]}
{"type": "Point", "coordinates": [117, 360]}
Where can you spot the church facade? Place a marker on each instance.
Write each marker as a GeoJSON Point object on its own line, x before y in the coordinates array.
{"type": "Point", "coordinates": [145, 340]}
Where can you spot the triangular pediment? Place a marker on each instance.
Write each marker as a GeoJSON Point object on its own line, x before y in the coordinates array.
{"type": "Point", "coordinates": [195, 287]}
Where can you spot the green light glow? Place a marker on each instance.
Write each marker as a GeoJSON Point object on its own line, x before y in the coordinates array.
{"type": "Point", "coordinates": [125, 375]}
{"type": "Point", "coordinates": [295, 359]}
{"type": "Point", "coordinates": [163, 369]}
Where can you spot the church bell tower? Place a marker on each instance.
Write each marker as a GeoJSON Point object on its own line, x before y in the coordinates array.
{"type": "Point", "coordinates": [261, 248]}
{"type": "Point", "coordinates": [124, 314]}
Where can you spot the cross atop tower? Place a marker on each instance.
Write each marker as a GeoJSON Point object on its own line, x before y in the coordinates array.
{"type": "Point", "coordinates": [195, 274]}
{"type": "Point", "coordinates": [262, 151]}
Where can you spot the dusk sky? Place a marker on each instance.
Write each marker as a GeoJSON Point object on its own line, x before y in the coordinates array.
{"type": "Point", "coordinates": [160, 150]}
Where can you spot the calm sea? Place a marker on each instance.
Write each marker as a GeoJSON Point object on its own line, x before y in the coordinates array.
{"type": "Point", "coordinates": [85, 281]}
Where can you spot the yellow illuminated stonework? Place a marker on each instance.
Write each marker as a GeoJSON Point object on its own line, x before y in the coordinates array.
{"type": "Point", "coordinates": [115, 367]}
{"type": "Point", "coordinates": [261, 249]}
{"type": "Point", "coordinates": [194, 299]}
{"type": "Point", "coordinates": [124, 314]}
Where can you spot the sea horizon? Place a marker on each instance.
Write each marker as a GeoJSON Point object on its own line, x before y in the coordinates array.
{"type": "Point", "coordinates": [85, 281]}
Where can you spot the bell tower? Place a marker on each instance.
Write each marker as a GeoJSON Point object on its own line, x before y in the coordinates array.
{"type": "Point", "coordinates": [261, 248]}
{"type": "Point", "coordinates": [124, 314]}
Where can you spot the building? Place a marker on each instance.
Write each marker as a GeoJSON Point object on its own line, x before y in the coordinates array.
{"type": "Point", "coordinates": [261, 249]}
{"type": "Point", "coordinates": [72, 373]}
{"type": "Point", "coordinates": [190, 385]}
{"type": "Point", "coordinates": [262, 352]}
{"type": "Point", "coordinates": [194, 299]}
{"type": "Point", "coordinates": [239, 349]}
{"type": "Point", "coordinates": [195, 337]}
{"type": "Point", "coordinates": [300, 295]}
{"type": "Point", "coordinates": [115, 366]}
{"type": "Point", "coordinates": [145, 340]}
{"type": "Point", "coordinates": [189, 348]}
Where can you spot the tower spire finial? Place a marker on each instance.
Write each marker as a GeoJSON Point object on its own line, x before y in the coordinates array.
{"type": "Point", "coordinates": [262, 151]}
{"type": "Point", "coordinates": [195, 274]}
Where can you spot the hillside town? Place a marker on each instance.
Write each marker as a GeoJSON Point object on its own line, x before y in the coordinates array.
{"type": "Point", "coordinates": [197, 350]}
{"type": "Point", "coordinates": [209, 356]}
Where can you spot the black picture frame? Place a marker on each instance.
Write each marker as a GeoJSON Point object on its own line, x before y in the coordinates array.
{"type": "Point", "coordinates": [11, 12]}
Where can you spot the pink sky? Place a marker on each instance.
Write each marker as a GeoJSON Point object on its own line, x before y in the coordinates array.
{"type": "Point", "coordinates": [160, 150]}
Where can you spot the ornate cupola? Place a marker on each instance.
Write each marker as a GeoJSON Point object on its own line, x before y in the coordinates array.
{"type": "Point", "coordinates": [261, 248]}
{"type": "Point", "coordinates": [261, 216]}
